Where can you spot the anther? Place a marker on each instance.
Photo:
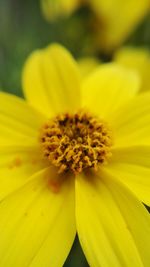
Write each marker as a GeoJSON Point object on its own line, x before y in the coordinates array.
{"type": "Point", "coordinates": [75, 142]}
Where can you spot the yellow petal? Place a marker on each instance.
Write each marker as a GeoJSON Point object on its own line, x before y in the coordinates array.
{"type": "Point", "coordinates": [113, 227]}
{"type": "Point", "coordinates": [16, 167]}
{"type": "Point", "coordinates": [109, 87]}
{"type": "Point", "coordinates": [117, 20]}
{"type": "Point", "coordinates": [131, 165]}
{"type": "Point", "coordinates": [20, 154]}
{"type": "Point", "coordinates": [51, 80]}
{"type": "Point", "coordinates": [131, 125]}
{"type": "Point", "coordinates": [137, 59]}
{"type": "Point", "coordinates": [19, 123]}
{"type": "Point", "coordinates": [87, 65]}
{"type": "Point", "coordinates": [37, 225]}
{"type": "Point", "coordinates": [58, 8]}
{"type": "Point", "coordinates": [131, 152]}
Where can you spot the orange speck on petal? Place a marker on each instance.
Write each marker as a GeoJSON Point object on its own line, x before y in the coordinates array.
{"type": "Point", "coordinates": [54, 181]}
{"type": "Point", "coordinates": [16, 162]}
{"type": "Point", "coordinates": [54, 186]}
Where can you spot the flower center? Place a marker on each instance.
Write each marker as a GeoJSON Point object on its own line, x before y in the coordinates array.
{"type": "Point", "coordinates": [75, 142]}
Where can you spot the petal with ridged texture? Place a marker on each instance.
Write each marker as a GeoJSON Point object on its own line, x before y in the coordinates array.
{"type": "Point", "coordinates": [20, 153]}
{"type": "Point", "coordinates": [113, 226]}
{"type": "Point", "coordinates": [131, 125]}
{"type": "Point", "coordinates": [37, 222]}
{"type": "Point", "coordinates": [107, 88]}
{"type": "Point", "coordinates": [131, 165]}
{"type": "Point", "coordinates": [51, 80]}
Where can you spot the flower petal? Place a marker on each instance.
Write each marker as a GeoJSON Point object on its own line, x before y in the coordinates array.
{"type": "Point", "coordinates": [131, 125]}
{"type": "Point", "coordinates": [131, 165]}
{"type": "Point", "coordinates": [87, 65]}
{"type": "Point", "coordinates": [137, 59]}
{"type": "Point", "coordinates": [37, 222]}
{"type": "Point", "coordinates": [113, 227]}
{"type": "Point", "coordinates": [19, 123]}
{"type": "Point", "coordinates": [51, 80]}
{"type": "Point", "coordinates": [16, 167]}
{"type": "Point", "coordinates": [109, 87]}
{"type": "Point", "coordinates": [20, 154]}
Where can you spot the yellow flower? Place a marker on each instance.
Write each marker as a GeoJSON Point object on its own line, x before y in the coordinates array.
{"type": "Point", "coordinates": [137, 59]}
{"type": "Point", "coordinates": [74, 159]}
{"type": "Point", "coordinates": [56, 8]}
{"type": "Point", "coordinates": [118, 19]}
{"type": "Point", "coordinates": [113, 20]}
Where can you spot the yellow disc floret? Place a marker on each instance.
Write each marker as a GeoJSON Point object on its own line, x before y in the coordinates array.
{"type": "Point", "coordinates": [75, 142]}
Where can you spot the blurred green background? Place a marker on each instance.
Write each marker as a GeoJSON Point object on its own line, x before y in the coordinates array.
{"type": "Point", "coordinates": [24, 29]}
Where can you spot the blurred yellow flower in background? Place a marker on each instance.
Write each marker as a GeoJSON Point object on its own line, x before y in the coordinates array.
{"type": "Point", "coordinates": [95, 133]}
{"type": "Point", "coordinates": [137, 59]}
{"type": "Point", "coordinates": [59, 8]}
{"type": "Point", "coordinates": [112, 21]}
{"type": "Point", "coordinates": [116, 20]}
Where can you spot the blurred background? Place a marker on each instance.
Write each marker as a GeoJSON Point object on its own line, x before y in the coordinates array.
{"type": "Point", "coordinates": [86, 30]}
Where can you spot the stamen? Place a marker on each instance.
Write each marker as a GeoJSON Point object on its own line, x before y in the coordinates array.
{"type": "Point", "coordinates": [75, 142]}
